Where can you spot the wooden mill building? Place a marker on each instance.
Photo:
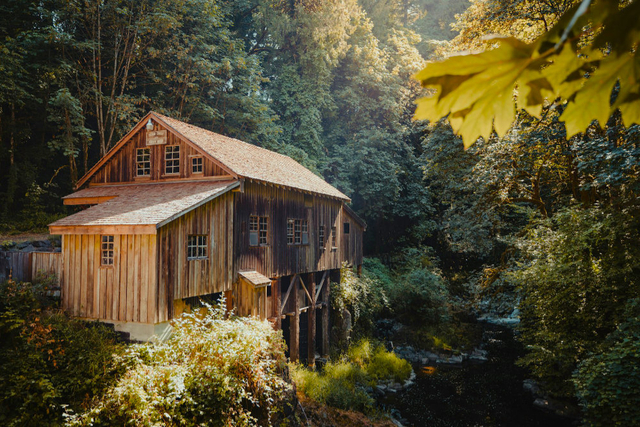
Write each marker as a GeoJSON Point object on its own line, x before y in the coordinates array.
{"type": "Point", "coordinates": [174, 212]}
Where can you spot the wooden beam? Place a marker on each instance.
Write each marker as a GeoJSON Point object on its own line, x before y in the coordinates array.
{"type": "Point", "coordinates": [294, 325]}
{"type": "Point", "coordinates": [311, 322]}
{"type": "Point", "coordinates": [86, 200]}
{"type": "Point", "coordinates": [147, 181]}
{"type": "Point", "coordinates": [306, 291]}
{"type": "Point", "coordinates": [324, 277]}
{"type": "Point", "coordinates": [325, 321]}
{"type": "Point", "coordinates": [275, 298]}
{"type": "Point", "coordinates": [286, 295]}
{"type": "Point", "coordinates": [103, 229]}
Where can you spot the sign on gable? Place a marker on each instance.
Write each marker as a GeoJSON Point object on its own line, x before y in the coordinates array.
{"type": "Point", "coordinates": [156, 137]}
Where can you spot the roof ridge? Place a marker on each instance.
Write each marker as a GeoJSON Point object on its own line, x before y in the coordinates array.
{"type": "Point", "coordinates": [162, 116]}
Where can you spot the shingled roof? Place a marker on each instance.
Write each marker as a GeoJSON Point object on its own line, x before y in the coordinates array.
{"type": "Point", "coordinates": [250, 161]}
{"type": "Point", "coordinates": [161, 203]}
{"type": "Point", "coordinates": [240, 158]}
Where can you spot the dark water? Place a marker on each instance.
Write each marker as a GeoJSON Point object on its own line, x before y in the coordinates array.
{"type": "Point", "coordinates": [485, 394]}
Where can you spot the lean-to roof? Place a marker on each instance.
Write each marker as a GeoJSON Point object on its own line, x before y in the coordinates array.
{"type": "Point", "coordinates": [143, 204]}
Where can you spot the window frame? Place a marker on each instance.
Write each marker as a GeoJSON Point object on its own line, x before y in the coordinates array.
{"type": "Point", "coordinates": [197, 247]}
{"type": "Point", "coordinates": [259, 229]}
{"type": "Point", "coordinates": [139, 162]}
{"type": "Point", "coordinates": [297, 232]}
{"type": "Point", "coordinates": [334, 238]}
{"type": "Point", "coordinates": [346, 227]}
{"type": "Point", "coordinates": [194, 166]}
{"type": "Point", "coordinates": [175, 166]}
{"type": "Point", "coordinates": [321, 237]}
{"type": "Point", "coordinates": [107, 250]}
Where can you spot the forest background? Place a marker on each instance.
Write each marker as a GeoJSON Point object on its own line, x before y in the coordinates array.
{"type": "Point", "coordinates": [550, 222]}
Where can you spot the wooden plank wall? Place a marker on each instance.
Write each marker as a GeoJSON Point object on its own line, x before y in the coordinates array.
{"type": "Point", "coordinates": [47, 263]}
{"type": "Point", "coordinates": [122, 166]}
{"type": "Point", "coordinates": [124, 291]}
{"type": "Point", "coordinates": [17, 265]}
{"type": "Point", "coordinates": [278, 259]}
{"type": "Point", "coordinates": [181, 278]}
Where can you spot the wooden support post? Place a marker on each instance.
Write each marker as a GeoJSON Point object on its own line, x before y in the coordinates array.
{"type": "Point", "coordinates": [275, 302]}
{"type": "Point", "coordinates": [325, 318]}
{"type": "Point", "coordinates": [294, 324]}
{"type": "Point", "coordinates": [311, 321]}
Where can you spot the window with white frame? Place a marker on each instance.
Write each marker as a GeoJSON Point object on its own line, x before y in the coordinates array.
{"type": "Point", "coordinates": [172, 159]}
{"type": "Point", "coordinates": [197, 246]}
{"type": "Point", "coordinates": [197, 164]}
{"type": "Point", "coordinates": [106, 250]}
{"type": "Point", "coordinates": [143, 162]}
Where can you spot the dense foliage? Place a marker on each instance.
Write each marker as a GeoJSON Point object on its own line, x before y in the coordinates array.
{"type": "Point", "coordinates": [50, 365]}
{"type": "Point", "coordinates": [347, 383]}
{"type": "Point", "coordinates": [211, 371]}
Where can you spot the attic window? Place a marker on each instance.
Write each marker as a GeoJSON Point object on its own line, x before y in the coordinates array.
{"type": "Point", "coordinates": [107, 250]}
{"type": "Point", "coordinates": [258, 230]}
{"type": "Point", "coordinates": [197, 247]}
{"type": "Point", "coordinates": [346, 227]}
{"type": "Point", "coordinates": [197, 164]}
{"type": "Point", "coordinates": [172, 159]}
{"type": "Point", "coordinates": [297, 232]}
{"type": "Point", "coordinates": [143, 162]}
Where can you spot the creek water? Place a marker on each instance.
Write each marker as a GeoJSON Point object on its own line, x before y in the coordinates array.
{"type": "Point", "coordinates": [488, 394]}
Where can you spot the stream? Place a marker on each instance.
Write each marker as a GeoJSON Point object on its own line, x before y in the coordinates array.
{"type": "Point", "coordinates": [473, 394]}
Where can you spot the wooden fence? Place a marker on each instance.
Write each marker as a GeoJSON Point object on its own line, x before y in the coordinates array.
{"type": "Point", "coordinates": [24, 266]}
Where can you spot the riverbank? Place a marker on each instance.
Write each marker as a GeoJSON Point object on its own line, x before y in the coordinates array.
{"type": "Point", "coordinates": [473, 392]}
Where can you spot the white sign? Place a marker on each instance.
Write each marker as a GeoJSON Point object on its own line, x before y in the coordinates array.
{"type": "Point", "coordinates": [156, 137]}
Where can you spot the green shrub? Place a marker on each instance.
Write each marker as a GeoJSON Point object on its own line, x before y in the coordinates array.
{"type": "Point", "coordinates": [608, 384]}
{"type": "Point", "coordinates": [343, 384]}
{"type": "Point", "coordinates": [340, 385]}
{"type": "Point", "coordinates": [49, 364]}
{"type": "Point", "coordinates": [212, 371]}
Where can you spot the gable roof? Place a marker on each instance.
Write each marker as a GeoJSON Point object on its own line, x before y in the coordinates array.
{"type": "Point", "coordinates": [241, 159]}
{"type": "Point", "coordinates": [143, 204]}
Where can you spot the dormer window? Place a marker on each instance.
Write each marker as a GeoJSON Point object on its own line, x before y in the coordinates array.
{"type": "Point", "coordinates": [143, 162]}
{"type": "Point", "coordinates": [172, 159]}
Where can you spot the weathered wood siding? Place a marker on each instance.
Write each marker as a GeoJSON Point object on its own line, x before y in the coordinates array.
{"type": "Point", "coordinates": [182, 278]}
{"type": "Point", "coordinates": [47, 263]}
{"type": "Point", "coordinates": [16, 265]}
{"type": "Point", "coordinates": [277, 258]}
{"type": "Point", "coordinates": [124, 291]}
{"type": "Point", "coordinates": [122, 166]}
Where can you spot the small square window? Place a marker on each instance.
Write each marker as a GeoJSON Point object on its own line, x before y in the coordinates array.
{"type": "Point", "coordinates": [197, 165]}
{"type": "Point", "coordinates": [107, 250]}
{"type": "Point", "coordinates": [143, 162]}
{"type": "Point", "coordinates": [172, 159]}
{"type": "Point", "coordinates": [197, 247]}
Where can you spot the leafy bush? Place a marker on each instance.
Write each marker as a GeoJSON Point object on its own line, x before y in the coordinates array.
{"type": "Point", "coordinates": [48, 363]}
{"type": "Point", "coordinates": [608, 384]}
{"type": "Point", "coordinates": [343, 384]}
{"type": "Point", "coordinates": [212, 371]}
{"type": "Point", "coordinates": [582, 268]}
{"type": "Point", "coordinates": [363, 296]}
